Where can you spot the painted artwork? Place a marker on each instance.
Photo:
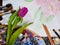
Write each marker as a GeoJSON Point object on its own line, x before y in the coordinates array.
{"type": "Point", "coordinates": [26, 25]}
{"type": "Point", "coordinates": [40, 12]}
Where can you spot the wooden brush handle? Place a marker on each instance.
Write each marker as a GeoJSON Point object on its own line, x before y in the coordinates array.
{"type": "Point", "coordinates": [48, 34]}
{"type": "Point", "coordinates": [59, 30]}
{"type": "Point", "coordinates": [1, 2]}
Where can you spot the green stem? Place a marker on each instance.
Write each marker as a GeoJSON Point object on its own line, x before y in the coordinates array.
{"type": "Point", "coordinates": [9, 31]}
{"type": "Point", "coordinates": [16, 21]}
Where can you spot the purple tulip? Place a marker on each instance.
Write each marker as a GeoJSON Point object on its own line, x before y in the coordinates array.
{"type": "Point", "coordinates": [22, 12]}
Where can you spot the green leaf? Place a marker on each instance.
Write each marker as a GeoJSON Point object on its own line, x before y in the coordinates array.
{"type": "Point", "coordinates": [16, 34]}
{"type": "Point", "coordinates": [9, 31]}
{"type": "Point", "coordinates": [16, 21]}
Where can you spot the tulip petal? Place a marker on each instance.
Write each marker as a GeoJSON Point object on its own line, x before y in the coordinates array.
{"type": "Point", "coordinates": [22, 12]}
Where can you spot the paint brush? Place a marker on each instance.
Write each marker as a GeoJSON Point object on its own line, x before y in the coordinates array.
{"type": "Point", "coordinates": [56, 33]}
{"type": "Point", "coordinates": [48, 34]}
